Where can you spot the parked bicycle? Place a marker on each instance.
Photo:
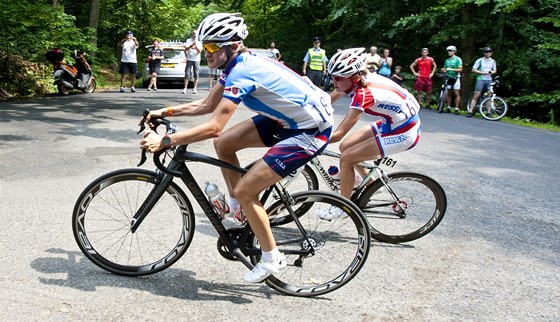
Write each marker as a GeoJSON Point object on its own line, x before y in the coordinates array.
{"type": "Point", "coordinates": [490, 106]}
{"type": "Point", "coordinates": [442, 97]}
{"type": "Point", "coordinates": [400, 206]}
{"type": "Point", "coordinates": [136, 222]}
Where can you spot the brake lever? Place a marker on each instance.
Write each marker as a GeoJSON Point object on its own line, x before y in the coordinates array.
{"type": "Point", "coordinates": [155, 122]}
{"type": "Point", "coordinates": [142, 126]}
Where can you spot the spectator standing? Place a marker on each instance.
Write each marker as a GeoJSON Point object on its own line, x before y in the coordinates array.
{"type": "Point", "coordinates": [193, 48]}
{"type": "Point", "coordinates": [373, 60]}
{"type": "Point", "coordinates": [453, 67]}
{"type": "Point", "coordinates": [155, 55]}
{"type": "Point", "coordinates": [386, 63]}
{"type": "Point", "coordinates": [129, 63]}
{"type": "Point", "coordinates": [212, 76]}
{"type": "Point", "coordinates": [275, 51]}
{"type": "Point", "coordinates": [426, 69]}
{"type": "Point", "coordinates": [316, 60]}
{"type": "Point", "coordinates": [483, 68]}
{"type": "Point", "coordinates": [397, 75]}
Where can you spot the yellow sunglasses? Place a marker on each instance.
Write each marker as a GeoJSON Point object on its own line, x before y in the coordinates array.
{"type": "Point", "coordinates": [213, 47]}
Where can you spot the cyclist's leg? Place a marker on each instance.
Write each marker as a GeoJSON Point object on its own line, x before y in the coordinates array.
{"type": "Point", "coordinates": [449, 95]}
{"type": "Point", "coordinates": [457, 90]}
{"type": "Point", "coordinates": [292, 151]}
{"type": "Point", "coordinates": [258, 178]}
{"type": "Point", "coordinates": [362, 145]}
{"type": "Point", "coordinates": [228, 143]}
{"type": "Point", "coordinates": [472, 104]}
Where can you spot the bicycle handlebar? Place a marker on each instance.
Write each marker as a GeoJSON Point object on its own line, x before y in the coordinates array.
{"type": "Point", "coordinates": [155, 122]}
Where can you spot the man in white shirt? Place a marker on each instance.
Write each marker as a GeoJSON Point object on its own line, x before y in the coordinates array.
{"type": "Point", "coordinates": [193, 48]}
{"type": "Point", "coordinates": [129, 64]}
{"type": "Point", "coordinates": [275, 51]}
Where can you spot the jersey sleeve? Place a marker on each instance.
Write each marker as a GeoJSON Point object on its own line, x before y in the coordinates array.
{"type": "Point", "coordinates": [237, 84]}
{"type": "Point", "coordinates": [360, 101]}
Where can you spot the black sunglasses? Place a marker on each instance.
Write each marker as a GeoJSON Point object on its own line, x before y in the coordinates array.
{"type": "Point", "coordinates": [450, 50]}
{"type": "Point", "coordinates": [487, 51]}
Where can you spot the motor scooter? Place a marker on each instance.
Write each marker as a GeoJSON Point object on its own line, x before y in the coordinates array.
{"type": "Point", "coordinates": [71, 77]}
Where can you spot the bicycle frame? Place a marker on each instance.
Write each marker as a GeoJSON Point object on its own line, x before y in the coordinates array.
{"type": "Point", "coordinates": [374, 173]}
{"type": "Point", "coordinates": [233, 242]}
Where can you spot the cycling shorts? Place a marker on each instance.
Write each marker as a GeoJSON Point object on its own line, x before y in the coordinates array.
{"type": "Point", "coordinates": [423, 84]}
{"type": "Point", "coordinates": [455, 86]}
{"type": "Point", "coordinates": [402, 138]}
{"type": "Point", "coordinates": [482, 85]}
{"type": "Point", "coordinates": [289, 149]}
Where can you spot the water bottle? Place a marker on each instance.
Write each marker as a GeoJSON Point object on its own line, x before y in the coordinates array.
{"type": "Point", "coordinates": [335, 175]}
{"type": "Point", "coordinates": [217, 199]}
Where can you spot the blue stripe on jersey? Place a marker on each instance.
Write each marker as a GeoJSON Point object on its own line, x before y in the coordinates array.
{"type": "Point", "coordinates": [269, 88]}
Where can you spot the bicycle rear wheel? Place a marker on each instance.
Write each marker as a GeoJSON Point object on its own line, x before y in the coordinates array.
{"type": "Point", "coordinates": [305, 180]}
{"type": "Point", "coordinates": [409, 207]}
{"type": "Point", "coordinates": [102, 217]}
{"type": "Point", "coordinates": [340, 246]}
{"type": "Point", "coordinates": [493, 108]}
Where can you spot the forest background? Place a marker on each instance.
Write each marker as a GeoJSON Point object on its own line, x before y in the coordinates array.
{"type": "Point", "coordinates": [524, 35]}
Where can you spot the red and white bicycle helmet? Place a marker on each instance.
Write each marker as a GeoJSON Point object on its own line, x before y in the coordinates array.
{"type": "Point", "coordinates": [347, 62]}
{"type": "Point", "coordinates": [221, 27]}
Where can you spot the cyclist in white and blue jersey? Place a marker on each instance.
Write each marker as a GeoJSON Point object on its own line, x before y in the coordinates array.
{"type": "Point", "coordinates": [294, 118]}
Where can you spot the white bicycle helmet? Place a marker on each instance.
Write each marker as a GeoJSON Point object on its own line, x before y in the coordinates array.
{"type": "Point", "coordinates": [347, 62]}
{"type": "Point", "coordinates": [453, 48]}
{"type": "Point", "coordinates": [221, 27]}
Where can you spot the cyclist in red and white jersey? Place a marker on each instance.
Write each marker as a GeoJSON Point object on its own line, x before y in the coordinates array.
{"type": "Point", "coordinates": [397, 130]}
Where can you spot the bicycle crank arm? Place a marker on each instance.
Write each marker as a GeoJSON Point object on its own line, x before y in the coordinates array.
{"type": "Point", "coordinates": [242, 258]}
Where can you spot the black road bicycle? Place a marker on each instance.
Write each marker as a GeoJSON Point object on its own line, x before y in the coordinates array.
{"type": "Point", "coordinates": [137, 222]}
{"type": "Point", "coordinates": [399, 206]}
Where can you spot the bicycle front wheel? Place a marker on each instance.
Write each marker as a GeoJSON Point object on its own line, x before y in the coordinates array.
{"type": "Point", "coordinates": [493, 108]}
{"type": "Point", "coordinates": [328, 254]}
{"type": "Point", "coordinates": [442, 99]}
{"type": "Point", "coordinates": [102, 217]}
{"type": "Point", "coordinates": [410, 206]}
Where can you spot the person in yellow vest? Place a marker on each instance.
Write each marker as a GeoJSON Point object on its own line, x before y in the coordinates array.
{"type": "Point", "coordinates": [316, 59]}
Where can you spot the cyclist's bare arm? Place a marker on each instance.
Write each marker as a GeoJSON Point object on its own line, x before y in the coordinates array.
{"type": "Point", "coordinates": [211, 129]}
{"type": "Point", "coordinates": [199, 107]}
{"type": "Point", "coordinates": [336, 95]}
{"type": "Point", "coordinates": [350, 119]}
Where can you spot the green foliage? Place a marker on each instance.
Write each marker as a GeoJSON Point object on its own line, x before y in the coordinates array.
{"type": "Point", "coordinates": [524, 34]}
{"type": "Point", "coordinates": [42, 28]}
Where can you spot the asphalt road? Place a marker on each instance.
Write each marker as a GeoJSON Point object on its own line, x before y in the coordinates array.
{"type": "Point", "coordinates": [495, 256]}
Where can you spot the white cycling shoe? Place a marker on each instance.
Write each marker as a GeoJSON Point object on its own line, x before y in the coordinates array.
{"type": "Point", "coordinates": [263, 270]}
{"type": "Point", "coordinates": [330, 214]}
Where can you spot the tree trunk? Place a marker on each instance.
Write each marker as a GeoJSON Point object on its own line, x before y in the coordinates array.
{"type": "Point", "coordinates": [467, 54]}
{"type": "Point", "coordinates": [94, 21]}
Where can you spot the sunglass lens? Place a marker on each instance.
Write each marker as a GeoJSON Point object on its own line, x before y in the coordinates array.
{"type": "Point", "coordinates": [212, 47]}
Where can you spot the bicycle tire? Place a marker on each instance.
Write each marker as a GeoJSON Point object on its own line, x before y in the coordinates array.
{"type": "Point", "coordinates": [422, 197]}
{"type": "Point", "coordinates": [341, 245]}
{"type": "Point", "coordinates": [303, 181]}
{"type": "Point", "coordinates": [469, 101]}
{"type": "Point", "coordinates": [493, 108]}
{"type": "Point", "coordinates": [442, 99]}
{"type": "Point", "coordinates": [102, 217]}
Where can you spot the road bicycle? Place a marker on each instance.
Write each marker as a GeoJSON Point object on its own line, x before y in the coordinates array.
{"type": "Point", "coordinates": [490, 106]}
{"type": "Point", "coordinates": [137, 222]}
{"type": "Point", "coordinates": [442, 97]}
{"type": "Point", "coordinates": [400, 206]}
